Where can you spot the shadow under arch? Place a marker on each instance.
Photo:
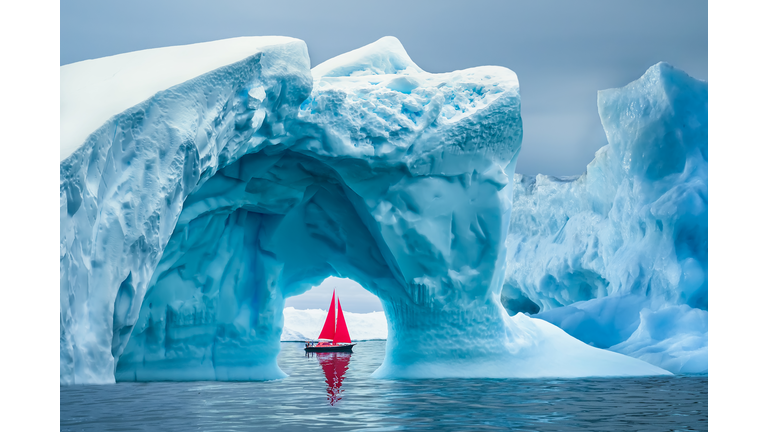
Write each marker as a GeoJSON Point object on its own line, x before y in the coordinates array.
{"type": "Point", "coordinates": [267, 227]}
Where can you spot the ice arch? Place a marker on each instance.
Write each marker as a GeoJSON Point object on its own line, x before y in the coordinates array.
{"type": "Point", "coordinates": [260, 230]}
{"type": "Point", "coordinates": [188, 218]}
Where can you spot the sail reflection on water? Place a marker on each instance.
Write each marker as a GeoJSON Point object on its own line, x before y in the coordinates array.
{"type": "Point", "coordinates": [334, 365]}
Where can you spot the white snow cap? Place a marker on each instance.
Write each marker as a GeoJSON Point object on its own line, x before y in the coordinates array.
{"type": "Point", "coordinates": [385, 56]}
{"type": "Point", "coordinates": [92, 91]}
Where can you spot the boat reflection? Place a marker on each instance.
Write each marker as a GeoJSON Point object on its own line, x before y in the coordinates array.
{"type": "Point", "coordinates": [334, 365]}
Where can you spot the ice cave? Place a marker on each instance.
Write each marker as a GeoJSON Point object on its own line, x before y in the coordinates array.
{"type": "Point", "coordinates": [202, 185]}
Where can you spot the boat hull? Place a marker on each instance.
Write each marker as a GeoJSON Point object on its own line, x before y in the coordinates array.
{"type": "Point", "coordinates": [330, 348]}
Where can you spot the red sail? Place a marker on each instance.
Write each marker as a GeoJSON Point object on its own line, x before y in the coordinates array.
{"type": "Point", "coordinates": [329, 328]}
{"type": "Point", "coordinates": [342, 334]}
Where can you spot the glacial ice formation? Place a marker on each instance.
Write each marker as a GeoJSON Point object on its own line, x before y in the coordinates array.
{"type": "Point", "coordinates": [187, 219]}
{"type": "Point", "coordinates": [123, 189]}
{"type": "Point", "coordinates": [618, 256]}
{"type": "Point", "coordinates": [93, 91]}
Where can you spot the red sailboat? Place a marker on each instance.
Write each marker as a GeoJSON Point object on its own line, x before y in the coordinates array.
{"type": "Point", "coordinates": [334, 337]}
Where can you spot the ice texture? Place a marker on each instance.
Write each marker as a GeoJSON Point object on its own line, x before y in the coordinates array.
{"type": "Point", "coordinates": [187, 219]}
{"type": "Point", "coordinates": [674, 338]}
{"type": "Point", "coordinates": [93, 91]}
{"type": "Point", "coordinates": [617, 257]}
{"type": "Point", "coordinates": [122, 192]}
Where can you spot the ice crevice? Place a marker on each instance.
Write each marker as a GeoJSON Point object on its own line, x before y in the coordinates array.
{"type": "Point", "coordinates": [188, 218]}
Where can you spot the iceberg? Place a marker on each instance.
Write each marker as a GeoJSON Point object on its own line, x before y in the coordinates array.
{"type": "Point", "coordinates": [605, 254]}
{"type": "Point", "coordinates": [188, 218]}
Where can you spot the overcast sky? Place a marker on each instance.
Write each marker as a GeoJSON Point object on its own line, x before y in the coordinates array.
{"type": "Point", "coordinates": [353, 297]}
{"type": "Point", "coordinates": [562, 51]}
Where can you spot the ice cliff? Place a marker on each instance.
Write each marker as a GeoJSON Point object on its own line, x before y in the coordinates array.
{"type": "Point", "coordinates": [188, 218]}
{"type": "Point", "coordinates": [618, 256]}
{"type": "Point", "coordinates": [123, 189]}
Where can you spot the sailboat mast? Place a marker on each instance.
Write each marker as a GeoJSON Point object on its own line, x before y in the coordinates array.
{"type": "Point", "coordinates": [329, 328]}
{"type": "Point", "coordinates": [342, 333]}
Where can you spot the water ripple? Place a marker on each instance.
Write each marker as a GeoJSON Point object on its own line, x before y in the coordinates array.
{"type": "Point", "coordinates": [338, 393]}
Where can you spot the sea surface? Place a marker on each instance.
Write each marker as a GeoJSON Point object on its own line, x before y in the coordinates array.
{"type": "Point", "coordinates": [335, 392]}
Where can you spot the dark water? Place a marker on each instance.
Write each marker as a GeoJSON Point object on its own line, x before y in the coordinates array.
{"type": "Point", "coordinates": [335, 392]}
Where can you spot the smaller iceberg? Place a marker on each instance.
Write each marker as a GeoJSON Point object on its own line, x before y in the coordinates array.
{"type": "Point", "coordinates": [618, 257]}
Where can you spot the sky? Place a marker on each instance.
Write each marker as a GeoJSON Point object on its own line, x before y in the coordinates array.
{"type": "Point", "coordinates": [562, 51]}
{"type": "Point", "coordinates": [353, 297]}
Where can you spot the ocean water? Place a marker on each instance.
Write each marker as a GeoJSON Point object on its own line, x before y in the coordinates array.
{"type": "Point", "coordinates": [335, 391]}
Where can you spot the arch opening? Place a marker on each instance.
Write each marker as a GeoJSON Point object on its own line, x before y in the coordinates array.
{"type": "Point", "coordinates": [305, 314]}
{"type": "Point", "coordinates": [275, 223]}
{"type": "Point", "coordinates": [265, 228]}
{"type": "Point", "coordinates": [356, 298]}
